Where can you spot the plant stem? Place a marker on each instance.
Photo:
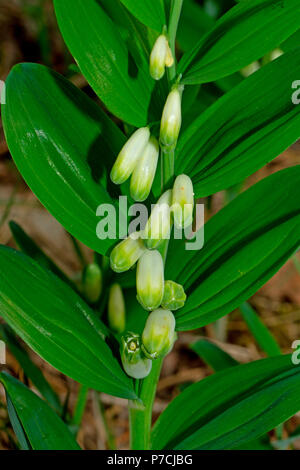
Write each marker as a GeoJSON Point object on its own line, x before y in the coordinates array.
{"type": "Point", "coordinates": [140, 418]}
{"type": "Point", "coordinates": [168, 168]}
{"type": "Point", "coordinates": [104, 430]}
{"type": "Point", "coordinates": [176, 6]}
{"type": "Point", "coordinates": [80, 405]}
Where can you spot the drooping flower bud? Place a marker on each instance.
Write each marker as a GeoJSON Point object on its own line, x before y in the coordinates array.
{"type": "Point", "coordinates": [126, 253]}
{"type": "Point", "coordinates": [161, 56]}
{"type": "Point", "coordinates": [159, 224]}
{"type": "Point", "coordinates": [158, 57]}
{"type": "Point", "coordinates": [171, 119]}
{"type": "Point", "coordinates": [116, 309]}
{"type": "Point", "coordinates": [135, 363]}
{"type": "Point", "coordinates": [150, 280]}
{"type": "Point", "coordinates": [129, 155]}
{"type": "Point", "coordinates": [144, 172]}
{"type": "Point", "coordinates": [92, 282]}
{"type": "Point", "coordinates": [183, 201]}
{"type": "Point", "coordinates": [174, 296]}
{"type": "Point", "coordinates": [159, 334]}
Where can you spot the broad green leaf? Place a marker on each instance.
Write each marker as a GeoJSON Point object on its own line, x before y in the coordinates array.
{"type": "Point", "coordinates": [17, 425]}
{"type": "Point", "coordinates": [231, 408]}
{"type": "Point", "coordinates": [102, 54]}
{"type": "Point", "coordinates": [28, 246]}
{"type": "Point", "coordinates": [194, 23]}
{"type": "Point", "coordinates": [214, 356]}
{"type": "Point", "coordinates": [244, 34]}
{"type": "Point", "coordinates": [62, 144]}
{"type": "Point", "coordinates": [245, 244]}
{"type": "Point", "coordinates": [149, 12]}
{"type": "Point", "coordinates": [292, 42]}
{"type": "Point", "coordinates": [139, 40]}
{"type": "Point", "coordinates": [57, 324]}
{"type": "Point", "coordinates": [29, 368]}
{"type": "Point", "coordinates": [44, 429]}
{"type": "Point", "coordinates": [260, 332]}
{"type": "Point", "coordinates": [243, 130]}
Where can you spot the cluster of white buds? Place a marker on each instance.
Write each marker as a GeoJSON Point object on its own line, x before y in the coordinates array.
{"type": "Point", "coordinates": [92, 283]}
{"type": "Point", "coordinates": [160, 58]}
{"type": "Point", "coordinates": [138, 159]}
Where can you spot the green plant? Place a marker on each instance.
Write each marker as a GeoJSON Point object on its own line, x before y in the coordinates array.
{"type": "Point", "coordinates": [65, 146]}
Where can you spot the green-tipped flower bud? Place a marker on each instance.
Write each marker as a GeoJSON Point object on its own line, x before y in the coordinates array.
{"type": "Point", "coordinates": [159, 224]}
{"type": "Point", "coordinates": [159, 334]}
{"type": "Point", "coordinates": [135, 363]}
{"type": "Point", "coordinates": [183, 201]}
{"type": "Point", "coordinates": [116, 309]}
{"type": "Point", "coordinates": [161, 56]}
{"type": "Point", "coordinates": [144, 172]}
{"type": "Point", "coordinates": [171, 119]}
{"type": "Point", "coordinates": [174, 296]}
{"type": "Point", "coordinates": [158, 58]}
{"type": "Point", "coordinates": [126, 253]}
{"type": "Point", "coordinates": [92, 282]}
{"type": "Point", "coordinates": [129, 155]}
{"type": "Point", "coordinates": [150, 280]}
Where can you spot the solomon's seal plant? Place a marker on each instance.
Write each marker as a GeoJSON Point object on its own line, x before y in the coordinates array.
{"type": "Point", "coordinates": [178, 121]}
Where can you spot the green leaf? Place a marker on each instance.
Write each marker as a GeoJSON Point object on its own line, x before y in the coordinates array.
{"type": "Point", "coordinates": [243, 130]}
{"type": "Point", "coordinates": [62, 144]}
{"type": "Point", "coordinates": [149, 12]}
{"type": "Point", "coordinates": [245, 33]}
{"type": "Point", "coordinates": [44, 429]}
{"type": "Point", "coordinates": [57, 324]}
{"type": "Point", "coordinates": [17, 425]}
{"type": "Point", "coordinates": [28, 246]}
{"type": "Point", "coordinates": [118, 78]}
{"type": "Point", "coordinates": [260, 332]}
{"type": "Point", "coordinates": [194, 23]}
{"type": "Point", "coordinates": [214, 356]}
{"type": "Point", "coordinates": [245, 244]}
{"type": "Point", "coordinates": [231, 408]}
{"type": "Point", "coordinates": [29, 368]}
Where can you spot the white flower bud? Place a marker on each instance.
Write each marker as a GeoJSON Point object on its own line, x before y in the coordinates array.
{"type": "Point", "coordinates": [159, 334]}
{"type": "Point", "coordinates": [134, 361]}
{"type": "Point", "coordinates": [116, 309]}
{"type": "Point", "coordinates": [183, 201]}
{"type": "Point", "coordinates": [169, 57]}
{"type": "Point", "coordinates": [126, 253]}
{"type": "Point", "coordinates": [158, 57]}
{"type": "Point", "coordinates": [129, 155]}
{"type": "Point", "coordinates": [159, 224]}
{"type": "Point", "coordinates": [92, 282]}
{"type": "Point", "coordinates": [150, 280]}
{"type": "Point", "coordinates": [171, 119]}
{"type": "Point", "coordinates": [144, 172]}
